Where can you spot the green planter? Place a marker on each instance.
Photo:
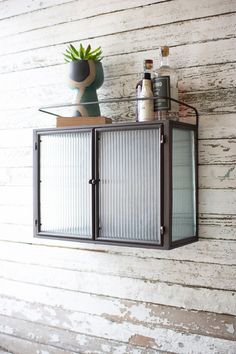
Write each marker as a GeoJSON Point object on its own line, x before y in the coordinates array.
{"type": "Point", "coordinates": [86, 76]}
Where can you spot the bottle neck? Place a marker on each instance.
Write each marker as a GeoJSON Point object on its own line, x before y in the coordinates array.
{"type": "Point", "coordinates": [165, 61]}
{"type": "Point", "coordinates": [146, 84]}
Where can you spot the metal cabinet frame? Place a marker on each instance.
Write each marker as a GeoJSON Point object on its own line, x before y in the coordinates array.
{"type": "Point", "coordinates": [166, 128]}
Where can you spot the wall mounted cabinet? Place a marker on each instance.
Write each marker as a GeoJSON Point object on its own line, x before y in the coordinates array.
{"type": "Point", "coordinates": [126, 184]}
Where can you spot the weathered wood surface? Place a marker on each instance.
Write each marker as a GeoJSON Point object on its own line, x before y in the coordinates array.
{"type": "Point", "coordinates": [206, 277]}
{"type": "Point", "coordinates": [135, 42]}
{"type": "Point", "coordinates": [150, 315]}
{"type": "Point", "coordinates": [11, 8]}
{"type": "Point", "coordinates": [81, 285]}
{"type": "Point", "coordinates": [59, 297]}
{"type": "Point", "coordinates": [218, 226]}
{"type": "Point", "coordinates": [121, 21]}
{"type": "Point", "coordinates": [154, 339]}
{"type": "Point", "coordinates": [204, 251]}
{"type": "Point", "coordinates": [84, 344]}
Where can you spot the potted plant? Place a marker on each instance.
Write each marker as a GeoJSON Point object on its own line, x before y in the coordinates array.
{"type": "Point", "coordinates": [85, 75]}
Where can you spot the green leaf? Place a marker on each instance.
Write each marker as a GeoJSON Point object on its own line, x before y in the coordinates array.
{"type": "Point", "coordinates": [68, 56]}
{"type": "Point", "coordinates": [96, 50]}
{"type": "Point", "coordinates": [74, 51]}
{"type": "Point", "coordinates": [87, 51]}
{"type": "Point", "coordinates": [81, 52]}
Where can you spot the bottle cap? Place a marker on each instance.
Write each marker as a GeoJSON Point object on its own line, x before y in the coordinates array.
{"type": "Point", "coordinates": [165, 51]}
{"type": "Point", "coordinates": [147, 76]}
{"type": "Point", "coordinates": [148, 64]}
{"type": "Point", "coordinates": [148, 61]}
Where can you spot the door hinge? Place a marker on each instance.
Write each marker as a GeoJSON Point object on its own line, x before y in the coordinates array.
{"type": "Point", "coordinates": [163, 139]}
{"type": "Point", "coordinates": [35, 222]}
{"type": "Point", "coordinates": [35, 146]}
{"type": "Point", "coordinates": [162, 230]}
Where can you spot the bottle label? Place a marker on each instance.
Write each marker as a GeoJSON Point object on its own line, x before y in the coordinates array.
{"type": "Point", "coordinates": [161, 87]}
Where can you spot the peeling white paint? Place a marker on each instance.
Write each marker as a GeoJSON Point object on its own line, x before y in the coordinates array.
{"type": "Point", "coordinates": [230, 328]}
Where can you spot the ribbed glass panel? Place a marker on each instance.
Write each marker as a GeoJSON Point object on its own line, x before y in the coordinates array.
{"type": "Point", "coordinates": [65, 194]}
{"type": "Point", "coordinates": [129, 188]}
{"type": "Point", "coordinates": [184, 203]}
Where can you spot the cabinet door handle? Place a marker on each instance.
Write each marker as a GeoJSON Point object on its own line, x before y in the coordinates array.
{"type": "Point", "coordinates": [94, 181]}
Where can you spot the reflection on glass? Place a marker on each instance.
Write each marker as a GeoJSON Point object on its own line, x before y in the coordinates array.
{"type": "Point", "coordinates": [65, 194]}
{"type": "Point", "coordinates": [129, 188]}
{"type": "Point", "coordinates": [184, 203]}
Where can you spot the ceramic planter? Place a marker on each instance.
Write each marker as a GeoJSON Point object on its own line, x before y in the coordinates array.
{"type": "Point", "coordinates": [86, 76]}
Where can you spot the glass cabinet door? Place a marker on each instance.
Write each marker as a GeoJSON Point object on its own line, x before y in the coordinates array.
{"type": "Point", "coordinates": [129, 187]}
{"type": "Point", "coordinates": [183, 184]}
{"type": "Point", "coordinates": [65, 194]}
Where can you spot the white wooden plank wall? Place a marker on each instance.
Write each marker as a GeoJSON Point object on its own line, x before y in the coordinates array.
{"type": "Point", "coordinates": [59, 297]}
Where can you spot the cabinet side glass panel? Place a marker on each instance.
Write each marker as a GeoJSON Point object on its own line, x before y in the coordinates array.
{"type": "Point", "coordinates": [65, 194]}
{"type": "Point", "coordinates": [183, 184]}
{"type": "Point", "coordinates": [129, 188]}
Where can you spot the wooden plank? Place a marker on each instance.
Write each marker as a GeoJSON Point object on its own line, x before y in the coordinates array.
{"type": "Point", "coordinates": [19, 176]}
{"type": "Point", "coordinates": [12, 214]}
{"type": "Point", "coordinates": [26, 118]}
{"type": "Point", "coordinates": [204, 251]}
{"type": "Point", "coordinates": [73, 342]}
{"type": "Point", "coordinates": [54, 12]}
{"type": "Point", "coordinates": [157, 14]}
{"type": "Point", "coordinates": [16, 137]}
{"type": "Point", "coordinates": [140, 314]}
{"type": "Point", "coordinates": [220, 126]}
{"type": "Point", "coordinates": [10, 343]}
{"type": "Point", "coordinates": [215, 201]}
{"type": "Point", "coordinates": [114, 328]}
{"type": "Point", "coordinates": [67, 277]}
{"type": "Point", "coordinates": [12, 8]}
{"type": "Point", "coordinates": [183, 273]}
{"type": "Point", "coordinates": [12, 157]}
{"type": "Point", "coordinates": [217, 151]}
{"type": "Point", "coordinates": [135, 46]}
{"type": "Point", "coordinates": [13, 195]}
{"type": "Point", "coordinates": [16, 232]}
{"type": "Point", "coordinates": [206, 275]}
{"type": "Point", "coordinates": [217, 176]}
{"type": "Point", "coordinates": [214, 101]}
{"type": "Point", "coordinates": [201, 78]}
{"type": "Point", "coordinates": [208, 102]}
{"type": "Point", "coordinates": [218, 226]}
{"type": "Point", "coordinates": [74, 121]}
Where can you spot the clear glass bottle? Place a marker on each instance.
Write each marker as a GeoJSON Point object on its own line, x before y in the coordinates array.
{"type": "Point", "coordinates": [165, 83]}
{"type": "Point", "coordinates": [146, 107]}
{"type": "Point", "coordinates": [147, 68]}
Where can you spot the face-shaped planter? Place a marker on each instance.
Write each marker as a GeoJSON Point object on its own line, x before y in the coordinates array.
{"type": "Point", "coordinates": [86, 76]}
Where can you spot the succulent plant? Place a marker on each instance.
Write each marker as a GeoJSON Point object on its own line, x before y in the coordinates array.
{"type": "Point", "coordinates": [72, 53]}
